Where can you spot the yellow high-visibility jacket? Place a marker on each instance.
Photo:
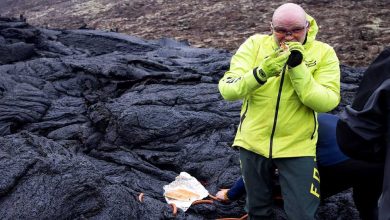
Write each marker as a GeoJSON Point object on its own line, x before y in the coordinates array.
{"type": "Point", "coordinates": [278, 118]}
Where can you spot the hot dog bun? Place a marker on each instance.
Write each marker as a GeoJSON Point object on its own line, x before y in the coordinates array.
{"type": "Point", "coordinates": [181, 195]}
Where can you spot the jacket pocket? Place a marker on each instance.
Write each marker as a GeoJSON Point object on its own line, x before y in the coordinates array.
{"type": "Point", "coordinates": [243, 116]}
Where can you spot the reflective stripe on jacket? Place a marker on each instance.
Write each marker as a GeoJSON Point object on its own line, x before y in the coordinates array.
{"type": "Point", "coordinates": [313, 86]}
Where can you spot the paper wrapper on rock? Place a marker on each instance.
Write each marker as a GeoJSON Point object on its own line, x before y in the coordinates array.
{"type": "Point", "coordinates": [184, 191]}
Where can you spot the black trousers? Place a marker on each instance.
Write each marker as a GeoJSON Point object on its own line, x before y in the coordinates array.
{"type": "Point", "coordinates": [365, 178]}
{"type": "Point", "coordinates": [298, 179]}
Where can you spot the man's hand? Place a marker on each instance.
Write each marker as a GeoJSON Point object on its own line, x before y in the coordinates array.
{"type": "Point", "coordinates": [222, 195]}
{"type": "Point", "coordinates": [297, 54]}
{"type": "Point", "coordinates": [272, 65]}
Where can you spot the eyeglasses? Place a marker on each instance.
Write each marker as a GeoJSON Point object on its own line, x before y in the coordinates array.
{"type": "Point", "coordinates": [284, 31]}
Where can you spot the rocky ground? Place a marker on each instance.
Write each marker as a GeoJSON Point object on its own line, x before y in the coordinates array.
{"type": "Point", "coordinates": [90, 121]}
{"type": "Point", "coordinates": [73, 101]}
{"type": "Point", "coordinates": [357, 29]}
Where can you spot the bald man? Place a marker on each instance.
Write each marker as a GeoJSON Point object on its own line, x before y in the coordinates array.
{"type": "Point", "coordinates": [283, 80]}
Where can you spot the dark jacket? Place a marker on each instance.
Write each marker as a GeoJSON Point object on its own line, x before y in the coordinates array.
{"type": "Point", "coordinates": [365, 128]}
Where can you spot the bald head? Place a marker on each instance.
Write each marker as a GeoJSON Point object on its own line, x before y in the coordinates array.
{"type": "Point", "coordinates": [289, 14]}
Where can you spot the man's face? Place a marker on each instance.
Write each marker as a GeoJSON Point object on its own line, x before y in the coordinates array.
{"type": "Point", "coordinates": [289, 30]}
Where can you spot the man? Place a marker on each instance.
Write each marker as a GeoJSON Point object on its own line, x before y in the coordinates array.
{"type": "Point", "coordinates": [364, 129]}
{"type": "Point", "coordinates": [281, 91]}
{"type": "Point", "coordinates": [337, 171]}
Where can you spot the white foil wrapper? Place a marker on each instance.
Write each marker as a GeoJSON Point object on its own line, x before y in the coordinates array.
{"type": "Point", "coordinates": [187, 183]}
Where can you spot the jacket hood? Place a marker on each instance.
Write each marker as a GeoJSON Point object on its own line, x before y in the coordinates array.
{"type": "Point", "coordinates": [311, 35]}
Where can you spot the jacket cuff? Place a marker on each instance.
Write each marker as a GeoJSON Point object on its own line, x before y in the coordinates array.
{"type": "Point", "coordinates": [299, 72]}
{"type": "Point", "coordinates": [257, 77]}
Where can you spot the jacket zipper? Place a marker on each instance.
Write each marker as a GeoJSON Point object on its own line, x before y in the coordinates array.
{"type": "Point", "coordinates": [315, 125]}
{"type": "Point", "coordinates": [276, 111]}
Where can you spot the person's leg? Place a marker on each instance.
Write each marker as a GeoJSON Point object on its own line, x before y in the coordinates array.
{"type": "Point", "coordinates": [300, 183]}
{"type": "Point", "coordinates": [335, 178]}
{"type": "Point", "coordinates": [384, 201]}
{"type": "Point", "coordinates": [257, 174]}
{"type": "Point", "coordinates": [364, 177]}
{"type": "Point", "coordinates": [367, 188]}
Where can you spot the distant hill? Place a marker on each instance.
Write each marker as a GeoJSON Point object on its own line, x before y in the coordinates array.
{"type": "Point", "coordinates": [358, 30]}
